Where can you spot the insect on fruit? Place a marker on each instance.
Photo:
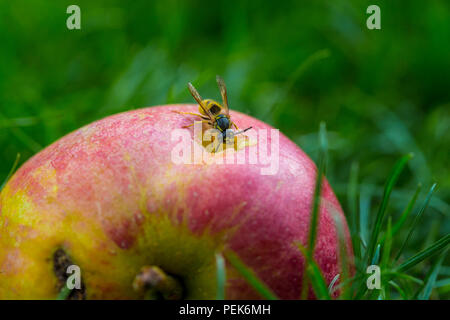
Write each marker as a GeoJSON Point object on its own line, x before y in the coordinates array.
{"type": "Point", "coordinates": [216, 115]}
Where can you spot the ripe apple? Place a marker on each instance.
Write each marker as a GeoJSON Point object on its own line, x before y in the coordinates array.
{"type": "Point", "coordinates": [109, 199]}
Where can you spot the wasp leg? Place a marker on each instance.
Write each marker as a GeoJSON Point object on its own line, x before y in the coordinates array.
{"type": "Point", "coordinates": [218, 145]}
{"type": "Point", "coordinates": [192, 114]}
{"type": "Point", "coordinates": [234, 124]}
{"type": "Point", "coordinates": [203, 121]}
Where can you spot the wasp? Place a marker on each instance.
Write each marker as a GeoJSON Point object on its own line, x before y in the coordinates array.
{"type": "Point", "coordinates": [217, 116]}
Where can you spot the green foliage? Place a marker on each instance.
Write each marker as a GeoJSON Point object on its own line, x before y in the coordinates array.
{"type": "Point", "coordinates": [64, 293]}
{"type": "Point", "coordinates": [416, 219]}
{"type": "Point", "coordinates": [312, 275]}
{"type": "Point", "coordinates": [436, 247]}
{"type": "Point", "coordinates": [250, 276]}
{"type": "Point", "coordinates": [425, 292]}
{"type": "Point", "coordinates": [221, 276]}
{"type": "Point", "coordinates": [13, 168]}
{"type": "Point", "coordinates": [391, 275]}
{"type": "Point", "coordinates": [384, 202]}
{"type": "Point", "coordinates": [312, 272]}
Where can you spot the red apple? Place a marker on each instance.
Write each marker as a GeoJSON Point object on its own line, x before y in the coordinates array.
{"type": "Point", "coordinates": [110, 199]}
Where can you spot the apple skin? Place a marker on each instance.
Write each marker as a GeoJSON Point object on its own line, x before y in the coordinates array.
{"type": "Point", "coordinates": [111, 197]}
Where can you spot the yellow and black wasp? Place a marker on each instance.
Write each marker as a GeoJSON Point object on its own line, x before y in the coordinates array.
{"type": "Point", "coordinates": [216, 115]}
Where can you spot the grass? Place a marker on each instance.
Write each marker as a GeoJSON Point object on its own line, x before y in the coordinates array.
{"type": "Point", "coordinates": [396, 282]}
{"type": "Point", "coordinates": [399, 166]}
{"type": "Point", "coordinates": [416, 220]}
{"type": "Point", "coordinates": [310, 265]}
{"type": "Point", "coordinates": [221, 276]}
{"type": "Point", "coordinates": [250, 276]}
{"type": "Point", "coordinates": [11, 171]}
{"type": "Point", "coordinates": [435, 248]}
{"type": "Point", "coordinates": [64, 293]}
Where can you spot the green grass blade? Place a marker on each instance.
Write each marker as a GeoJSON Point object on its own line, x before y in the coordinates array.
{"type": "Point", "coordinates": [360, 287]}
{"type": "Point", "coordinates": [332, 283]}
{"type": "Point", "coordinates": [396, 171]}
{"type": "Point", "coordinates": [405, 214]}
{"type": "Point", "coordinates": [250, 276]}
{"type": "Point", "coordinates": [342, 246]}
{"type": "Point", "coordinates": [386, 253]}
{"type": "Point", "coordinates": [220, 276]}
{"type": "Point", "coordinates": [64, 293]}
{"type": "Point", "coordinates": [316, 56]}
{"type": "Point", "coordinates": [425, 292]}
{"type": "Point", "coordinates": [314, 275]}
{"type": "Point", "coordinates": [376, 256]}
{"type": "Point", "coordinates": [405, 276]}
{"type": "Point", "coordinates": [424, 254]}
{"type": "Point", "coordinates": [357, 278]}
{"type": "Point", "coordinates": [387, 246]}
{"type": "Point", "coordinates": [318, 189]}
{"type": "Point", "coordinates": [353, 207]}
{"type": "Point", "coordinates": [445, 270]}
{"type": "Point", "coordinates": [26, 139]}
{"type": "Point", "coordinates": [399, 290]}
{"type": "Point", "coordinates": [318, 281]}
{"type": "Point", "coordinates": [13, 168]}
{"type": "Point", "coordinates": [416, 220]}
{"type": "Point", "coordinates": [383, 294]}
{"type": "Point", "coordinates": [314, 217]}
{"type": "Point", "coordinates": [364, 209]}
{"type": "Point", "coordinates": [442, 282]}
{"type": "Point", "coordinates": [6, 123]}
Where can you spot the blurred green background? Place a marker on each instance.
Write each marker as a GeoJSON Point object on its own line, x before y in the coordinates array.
{"type": "Point", "coordinates": [382, 93]}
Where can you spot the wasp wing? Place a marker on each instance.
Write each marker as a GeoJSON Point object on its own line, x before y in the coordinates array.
{"type": "Point", "coordinates": [223, 92]}
{"type": "Point", "coordinates": [199, 99]}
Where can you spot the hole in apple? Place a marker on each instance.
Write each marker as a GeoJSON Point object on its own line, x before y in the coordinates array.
{"type": "Point", "coordinates": [62, 261]}
{"type": "Point", "coordinates": [153, 283]}
{"type": "Point", "coordinates": [208, 141]}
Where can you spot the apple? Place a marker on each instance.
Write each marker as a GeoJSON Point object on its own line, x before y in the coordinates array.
{"type": "Point", "coordinates": [110, 200]}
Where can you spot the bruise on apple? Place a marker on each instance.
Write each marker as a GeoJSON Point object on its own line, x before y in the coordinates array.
{"type": "Point", "coordinates": [61, 261]}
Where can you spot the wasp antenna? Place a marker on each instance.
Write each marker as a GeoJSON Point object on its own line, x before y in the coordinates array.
{"type": "Point", "coordinates": [218, 145]}
{"type": "Point", "coordinates": [242, 131]}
